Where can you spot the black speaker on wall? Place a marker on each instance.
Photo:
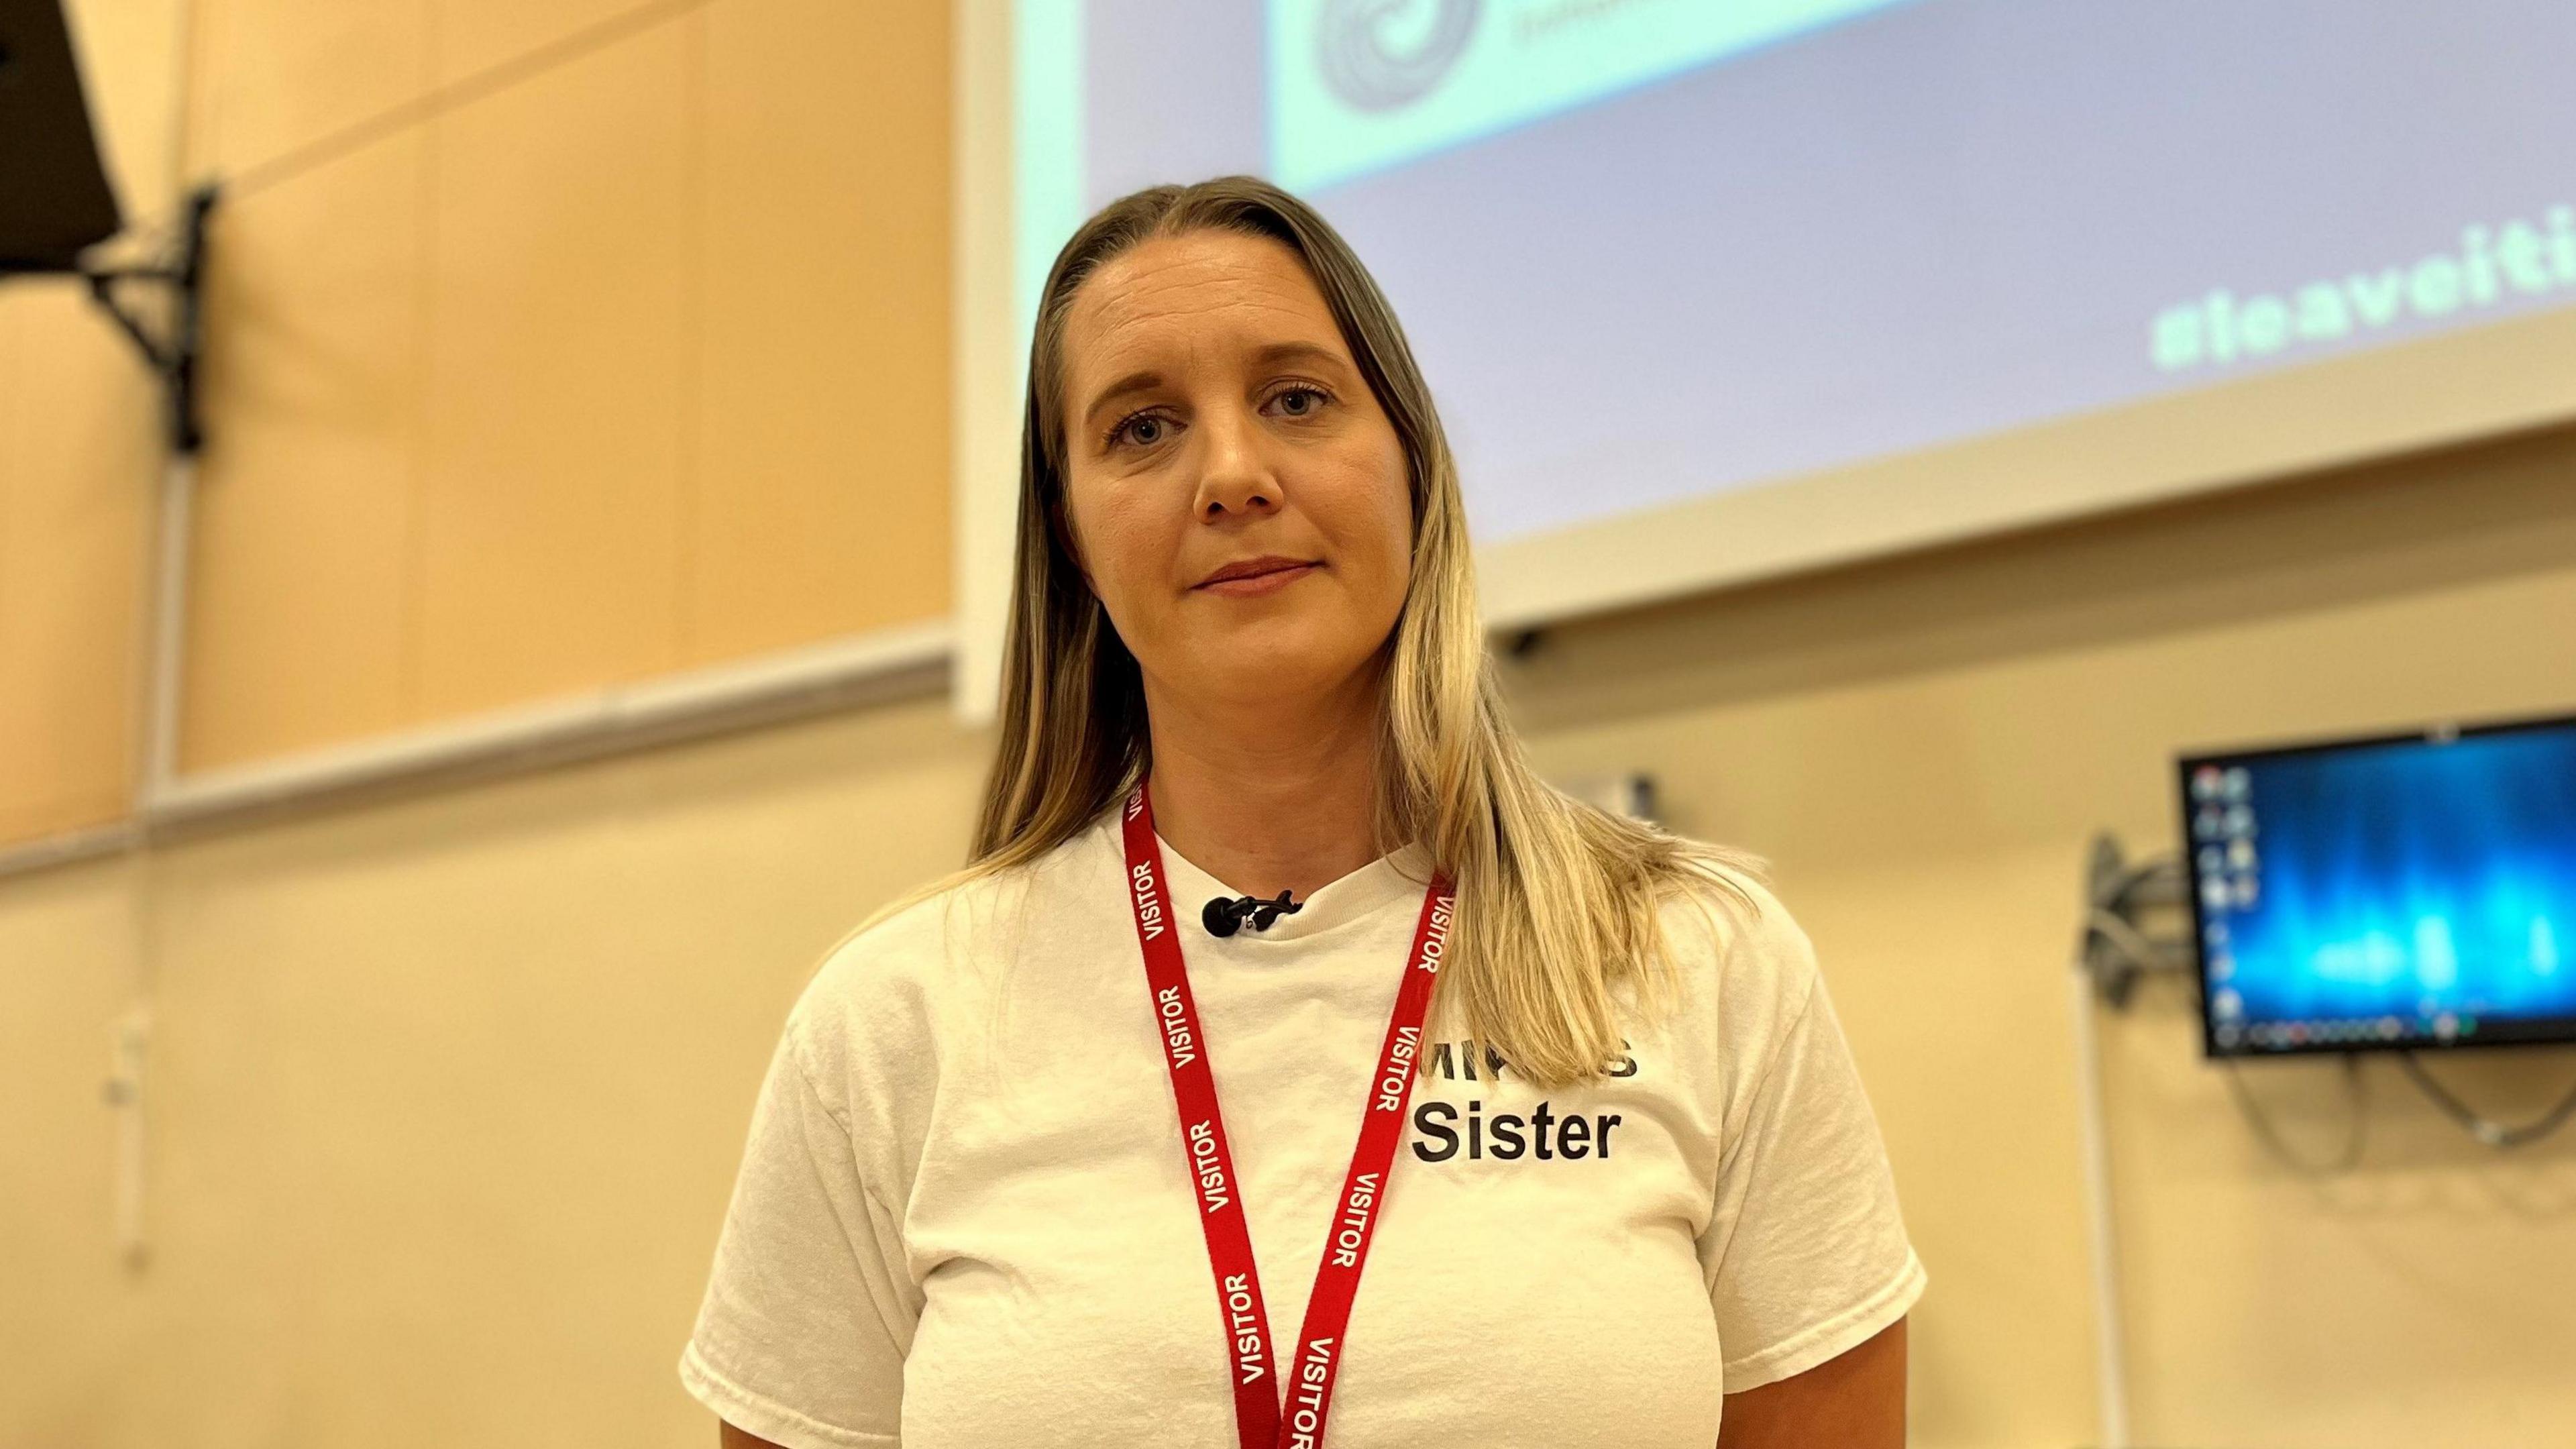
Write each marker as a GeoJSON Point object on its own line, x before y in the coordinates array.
{"type": "Point", "coordinates": [55, 198]}
{"type": "Point", "coordinates": [56, 203]}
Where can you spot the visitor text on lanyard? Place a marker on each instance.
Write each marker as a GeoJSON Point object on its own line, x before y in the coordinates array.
{"type": "Point", "coordinates": [1258, 1415]}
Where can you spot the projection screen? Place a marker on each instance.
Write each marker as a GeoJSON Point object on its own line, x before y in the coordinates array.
{"type": "Point", "coordinates": [1711, 290]}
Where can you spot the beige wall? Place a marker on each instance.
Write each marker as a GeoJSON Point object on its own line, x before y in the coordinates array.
{"type": "Point", "coordinates": [446, 1093]}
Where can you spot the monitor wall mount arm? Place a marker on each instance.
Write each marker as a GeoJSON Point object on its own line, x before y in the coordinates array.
{"type": "Point", "coordinates": [2136, 921]}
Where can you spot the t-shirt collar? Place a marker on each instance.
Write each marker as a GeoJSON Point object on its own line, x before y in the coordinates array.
{"type": "Point", "coordinates": [1398, 876]}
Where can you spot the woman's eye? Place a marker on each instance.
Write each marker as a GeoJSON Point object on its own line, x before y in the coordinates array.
{"type": "Point", "coordinates": [1144, 431]}
{"type": "Point", "coordinates": [1300, 402]}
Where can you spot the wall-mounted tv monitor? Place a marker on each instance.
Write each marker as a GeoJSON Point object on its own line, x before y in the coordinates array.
{"type": "Point", "coordinates": [2386, 893]}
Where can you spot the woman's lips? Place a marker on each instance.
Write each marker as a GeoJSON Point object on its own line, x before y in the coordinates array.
{"type": "Point", "coordinates": [1268, 581]}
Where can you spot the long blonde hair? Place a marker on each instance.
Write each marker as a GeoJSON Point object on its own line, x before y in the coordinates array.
{"type": "Point", "coordinates": [1557, 900]}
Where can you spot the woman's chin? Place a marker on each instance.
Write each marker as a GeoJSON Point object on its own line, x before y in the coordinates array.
{"type": "Point", "coordinates": [1291, 672]}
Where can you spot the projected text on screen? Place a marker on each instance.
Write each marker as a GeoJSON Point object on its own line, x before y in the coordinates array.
{"type": "Point", "coordinates": [2489, 264]}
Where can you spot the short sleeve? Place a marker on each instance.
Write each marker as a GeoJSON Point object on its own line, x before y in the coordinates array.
{"type": "Point", "coordinates": [809, 1309]}
{"type": "Point", "coordinates": [1805, 1254]}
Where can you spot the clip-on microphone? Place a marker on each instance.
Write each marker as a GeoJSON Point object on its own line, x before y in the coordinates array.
{"type": "Point", "coordinates": [1223, 917]}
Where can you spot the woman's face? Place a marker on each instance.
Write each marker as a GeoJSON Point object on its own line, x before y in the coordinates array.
{"type": "Point", "coordinates": [1238, 498]}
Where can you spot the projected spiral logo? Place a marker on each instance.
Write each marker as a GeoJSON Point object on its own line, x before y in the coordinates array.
{"type": "Point", "coordinates": [1380, 55]}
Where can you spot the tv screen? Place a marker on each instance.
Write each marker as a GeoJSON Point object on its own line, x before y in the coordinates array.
{"type": "Point", "coordinates": [2386, 893]}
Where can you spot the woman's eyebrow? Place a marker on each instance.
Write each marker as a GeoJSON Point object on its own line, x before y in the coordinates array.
{"type": "Point", "coordinates": [1277, 352]}
{"type": "Point", "coordinates": [1134, 382]}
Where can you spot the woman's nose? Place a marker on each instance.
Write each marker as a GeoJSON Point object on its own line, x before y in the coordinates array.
{"type": "Point", "coordinates": [1235, 475]}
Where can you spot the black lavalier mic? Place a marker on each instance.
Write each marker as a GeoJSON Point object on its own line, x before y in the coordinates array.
{"type": "Point", "coordinates": [1224, 916]}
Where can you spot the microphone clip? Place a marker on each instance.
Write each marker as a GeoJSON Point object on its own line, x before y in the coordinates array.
{"type": "Point", "coordinates": [1223, 916]}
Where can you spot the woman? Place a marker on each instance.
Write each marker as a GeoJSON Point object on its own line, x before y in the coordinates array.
{"type": "Point", "coordinates": [1255, 797]}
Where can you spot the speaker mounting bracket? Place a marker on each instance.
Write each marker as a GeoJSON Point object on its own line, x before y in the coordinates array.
{"type": "Point", "coordinates": [173, 353]}
{"type": "Point", "coordinates": [172, 357]}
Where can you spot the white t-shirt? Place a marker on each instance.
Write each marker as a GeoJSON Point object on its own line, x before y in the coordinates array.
{"type": "Point", "coordinates": [964, 1219]}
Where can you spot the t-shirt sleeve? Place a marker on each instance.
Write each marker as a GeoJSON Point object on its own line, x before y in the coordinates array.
{"type": "Point", "coordinates": [809, 1309]}
{"type": "Point", "coordinates": [1805, 1254]}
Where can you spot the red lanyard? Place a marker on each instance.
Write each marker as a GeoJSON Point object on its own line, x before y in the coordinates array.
{"type": "Point", "coordinates": [1257, 1411]}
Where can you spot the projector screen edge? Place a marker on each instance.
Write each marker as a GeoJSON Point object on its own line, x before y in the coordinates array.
{"type": "Point", "coordinates": [2508, 377]}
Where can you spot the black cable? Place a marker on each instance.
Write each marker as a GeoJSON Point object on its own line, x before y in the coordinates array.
{"type": "Point", "coordinates": [2343, 1161]}
{"type": "Point", "coordinates": [2493, 1134]}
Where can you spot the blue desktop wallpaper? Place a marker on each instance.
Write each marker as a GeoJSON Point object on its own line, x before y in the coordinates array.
{"type": "Point", "coordinates": [2388, 893]}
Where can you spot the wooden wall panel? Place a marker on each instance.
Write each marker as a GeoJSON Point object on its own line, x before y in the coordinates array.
{"type": "Point", "coordinates": [476, 35]}
{"type": "Point", "coordinates": [76, 504]}
{"type": "Point", "coordinates": [550, 346]}
{"type": "Point", "coordinates": [273, 75]}
{"type": "Point", "coordinates": [303, 571]}
{"type": "Point", "coordinates": [551, 551]}
{"type": "Point", "coordinates": [822, 437]}
{"type": "Point", "coordinates": [25, 799]}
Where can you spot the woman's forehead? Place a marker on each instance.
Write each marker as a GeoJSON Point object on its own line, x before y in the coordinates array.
{"type": "Point", "coordinates": [1200, 291]}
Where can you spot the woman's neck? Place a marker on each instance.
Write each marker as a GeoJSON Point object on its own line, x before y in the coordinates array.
{"type": "Point", "coordinates": [1267, 798]}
